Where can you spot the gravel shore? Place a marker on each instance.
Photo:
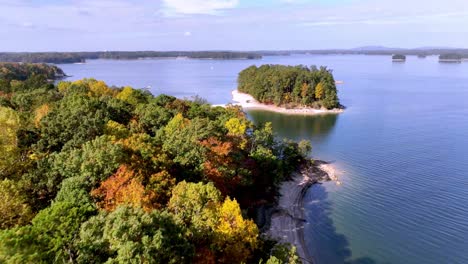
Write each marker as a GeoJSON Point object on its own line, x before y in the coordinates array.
{"type": "Point", "coordinates": [288, 220]}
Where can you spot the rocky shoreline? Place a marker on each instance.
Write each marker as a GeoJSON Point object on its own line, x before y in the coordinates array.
{"type": "Point", "coordinates": [287, 220]}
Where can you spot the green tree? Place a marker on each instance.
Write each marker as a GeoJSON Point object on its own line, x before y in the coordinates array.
{"type": "Point", "coordinates": [77, 119]}
{"type": "Point", "coordinates": [129, 235]}
{"type": "Point", "coordinates": [49, 239]}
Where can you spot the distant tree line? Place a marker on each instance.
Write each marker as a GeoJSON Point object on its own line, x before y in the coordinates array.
{"type": "Point", "coordinates": [75, 57]}
{"type": "Point", "coordinates": [290, 86]}
{"type": "Point", "coordinates": [369, 51]}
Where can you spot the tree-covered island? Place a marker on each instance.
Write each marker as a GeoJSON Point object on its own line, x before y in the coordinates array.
{"type": "Point", "coordinates": [450, 57]}
{"type": "Point", "coordinates": [398, 58]}
{"type": "Point", "coordinates": [290, 86]}
{"type": "Point", "coordinates": [97, 174]}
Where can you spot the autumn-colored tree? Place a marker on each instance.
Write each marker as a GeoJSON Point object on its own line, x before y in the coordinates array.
{"type": "Point", "coordinates": [236, 237]}
{"type": "Point", "coordinates": [216, 225]}
{"type": "Point", "coordinates": [63, 86]}
{"type": "Point", "coordinates": [124, 187]}
{"type": "Point", "coordinates": [236, 126]}
{"type": "Point", "coordinates": [9, 125]}
{"type": "Point", "coordinates": [195, 204]}
{"type": "Point", "coordinates": [131, 96]}
{"type": "Point", "coordinates": [99, 88]}
{"type": "Point", "coordinates": [116, 130]}
{"type": "Point", "coordinates": [319, 91]}
{"type": "Point", "coordinates": [219, 167]}
{"type": "Point", "coordinates": [15, 210]}
{"type": "Point", "coordinates": [40, 112]}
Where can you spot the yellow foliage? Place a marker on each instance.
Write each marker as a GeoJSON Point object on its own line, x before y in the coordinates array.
{"type": "Point", "coordinates": [9, 124]}
{"type": "Point", "coordinates": [176, 123]}
{"type": "Point", "coordinates": [116, 130]}
{"type": "Point", "coordinates": [99, 88]}
{"type": "Point", "coordinates": [126, 95]}
{"type": "Point", "coordinates": [236, 126]}
{"type": "Point", "coordinates": [236, 237]}
{"type": "Point", "coordinates": [63, 86]}
{"type": "Point", "coordinates": [319, 91]}
{"type": "Point", "coordinates": [40, 112]}
{"type": "Point", "coordinates": [15, 210]}
{"type": "Point", "coordinates": [304, 89]}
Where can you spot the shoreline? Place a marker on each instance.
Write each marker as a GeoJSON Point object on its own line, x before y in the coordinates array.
{"type": "Point", "coordinates": [246, 101]}
{"type": "Point", "coordinates": [286, 223]}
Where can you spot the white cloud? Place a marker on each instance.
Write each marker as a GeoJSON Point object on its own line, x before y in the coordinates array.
{"type": "Point", "coordinates": [210, 7]}
{"type": "Point", "coordinates": [187, 33]}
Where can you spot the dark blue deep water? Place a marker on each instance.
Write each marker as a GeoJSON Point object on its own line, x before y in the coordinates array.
{"type": "Point", "coordinates": [401, 149]}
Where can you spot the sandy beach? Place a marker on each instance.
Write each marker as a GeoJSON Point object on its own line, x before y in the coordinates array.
{"type": "Point", "coordinates": [246, 101]}
{"type": "Point", "coordinates": [288, 220]}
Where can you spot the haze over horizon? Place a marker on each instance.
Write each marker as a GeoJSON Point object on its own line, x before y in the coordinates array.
{"type": "Point", "coordinates": [86, 25]}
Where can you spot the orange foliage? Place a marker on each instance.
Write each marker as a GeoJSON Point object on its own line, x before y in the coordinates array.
{"type": "Point", "coordinates": [204, 256]}
{"type": "Point", "coordinates": [122, 188]}
{"type": "Point", "coordinates": [219, 165]}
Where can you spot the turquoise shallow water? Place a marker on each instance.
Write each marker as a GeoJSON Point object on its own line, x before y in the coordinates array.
{"type": "Point", "coordinates": [401, 148]}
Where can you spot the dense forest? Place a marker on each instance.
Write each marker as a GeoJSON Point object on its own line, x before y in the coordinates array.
{"type": "Point", "coordinates": [75, 57]}
{"type": "Point", "coordinates": [23, 71]}
{"type": "Point", "coordinates": [290, 86]}
{"type": "Point", "coordinates": [99, 174]}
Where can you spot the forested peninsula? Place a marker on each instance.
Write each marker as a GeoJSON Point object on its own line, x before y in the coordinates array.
{"type": "Point", "coordinates": [94, 174]}
{"type": "Point", "coordinates": [80, 57]}
{"type": "Point", "coordinates": [290, 86]}
{"type": "Point", "coordinates": [20, 71]}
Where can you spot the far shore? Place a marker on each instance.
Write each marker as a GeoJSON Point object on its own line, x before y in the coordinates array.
{"type": "Point", "coordinates": [246, 101]}
{"type": "Point", "coordinates": [288, 218]}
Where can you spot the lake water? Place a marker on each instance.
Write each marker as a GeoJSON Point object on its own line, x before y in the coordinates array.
{"type": "Point", "coordinates": [401, 148]}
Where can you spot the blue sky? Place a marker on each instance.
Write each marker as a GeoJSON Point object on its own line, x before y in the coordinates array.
{"type": "Point", "coordinates": [85, 25]}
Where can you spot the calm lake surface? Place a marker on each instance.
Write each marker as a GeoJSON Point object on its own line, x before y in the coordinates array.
{"type": "Point", "coordinates": [401, 148]}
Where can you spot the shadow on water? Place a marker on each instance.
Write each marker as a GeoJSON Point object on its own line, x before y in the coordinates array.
{"type": "Point", "coordinates": [325, 244]}
{"type": "Point", "coordinates": [296, 126]}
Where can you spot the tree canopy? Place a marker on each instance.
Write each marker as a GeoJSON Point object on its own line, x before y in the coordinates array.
{"type": "Point", "coordinates": [98, 174]}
